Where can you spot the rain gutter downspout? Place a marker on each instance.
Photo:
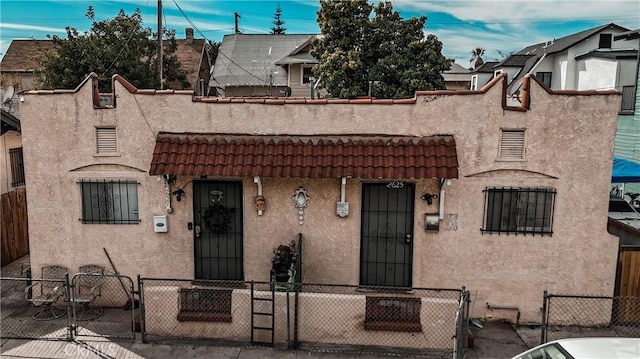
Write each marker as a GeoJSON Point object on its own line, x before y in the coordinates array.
{"type": "Point", "coordinates": [443, 182]}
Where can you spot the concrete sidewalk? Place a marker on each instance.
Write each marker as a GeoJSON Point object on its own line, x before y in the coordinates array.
{"type": "Point", "coordinates": [494, 340]}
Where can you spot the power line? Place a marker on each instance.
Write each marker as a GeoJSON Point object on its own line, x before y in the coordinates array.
{"type": "Point", "coordinates": [219, 52]}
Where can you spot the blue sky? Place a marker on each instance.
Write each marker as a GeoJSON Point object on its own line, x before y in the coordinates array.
{"type": "Point", "coordinates": [497, 26]}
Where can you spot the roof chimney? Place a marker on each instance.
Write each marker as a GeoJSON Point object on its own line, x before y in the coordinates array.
{"type": "Point", "coordinates": [189, 34]}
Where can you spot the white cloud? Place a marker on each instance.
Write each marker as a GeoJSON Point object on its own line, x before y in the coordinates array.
{"type": "Point", "coordinates": [531, 11]}
{"type": "Point", "coordinates": [5, 25]}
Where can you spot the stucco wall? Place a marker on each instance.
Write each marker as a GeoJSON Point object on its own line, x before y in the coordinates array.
{"type": "Point", "coordinates": [569, 146]}
{"type": "Point", "coordinates": [324, 318]}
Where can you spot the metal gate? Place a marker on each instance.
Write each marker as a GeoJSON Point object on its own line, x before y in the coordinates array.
{"type": "Point", "coordinates": [87, 305]}
{"type": "Point", "coordinates": [103, 305]}
{"type": "Point", "coordinates": [386, 249]}
{"type": "Point", "coordinates": [217, 217]}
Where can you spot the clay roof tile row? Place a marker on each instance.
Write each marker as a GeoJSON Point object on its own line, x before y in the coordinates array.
{"type": "Point", "coordinates": [304, 156]}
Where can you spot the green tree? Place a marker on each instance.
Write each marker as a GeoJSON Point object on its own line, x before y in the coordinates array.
{"type": "Point", "coordinates": [113, 46]}
{"type": "Point", "coordinates": [277, 22]}
{"type": "Point", "coordinates": [476, 57]}
{"type": "Point", "coordinates": [383, 52]}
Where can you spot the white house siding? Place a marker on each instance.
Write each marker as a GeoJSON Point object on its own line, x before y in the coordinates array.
{"type": "Point", "coordinates": [509, 270]}
{"type": "Point", "coordinates": [596, 74]}
{"type": "Point", "coordinates": [628, 135]}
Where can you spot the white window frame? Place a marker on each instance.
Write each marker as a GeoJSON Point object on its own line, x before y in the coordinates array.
{"type": "Point", "coordinates": [302, 67]}
{"type": "Point", "coordinates": [474, 82]}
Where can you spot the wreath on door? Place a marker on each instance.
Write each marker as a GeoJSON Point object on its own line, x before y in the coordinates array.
{"type": "Point", "coordinates": [217, 218]}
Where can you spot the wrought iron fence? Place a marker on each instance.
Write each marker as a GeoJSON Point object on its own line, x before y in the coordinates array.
{"type": "Point", "coordinates": [565, 316]}
{"type": "Point", "coordinates": [313, 316]}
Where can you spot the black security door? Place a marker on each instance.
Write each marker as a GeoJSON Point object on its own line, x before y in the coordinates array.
{"type": "Point", "coordinates": [217, 217]}
{"type": "Point", "coordinates": [386, 248]}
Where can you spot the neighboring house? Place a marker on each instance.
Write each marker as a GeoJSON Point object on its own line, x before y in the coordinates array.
{"type": "Point", "coordinates": [444, 189]}
{"type": "Point", "coordinates": [20, 62]}
{"type": "Point", "coordinates": [457, 78]}
{"type": "Point", "coordinates": [12, 175]}
{"type": "Point", "coordinates": [482, 75]}
{"type": "Point", "coordinates": [588, 60]}
{"type": "Point", "coordinates": [14, 240]}
{"type": "Point", "coordinates": [628, 133]}
{"type": "Point", "coordinates": [264, 65]}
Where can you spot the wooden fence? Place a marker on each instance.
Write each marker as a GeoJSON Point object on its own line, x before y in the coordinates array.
{"type": "Point", "coordinates": [13, 226]}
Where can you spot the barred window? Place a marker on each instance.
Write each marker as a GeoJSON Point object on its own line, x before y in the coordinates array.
{"type": "Point", "coordinates": [399, 314]}
{"type": "Point", "coordinates": [519, 210]}
{"type": "Point", "coordinates": [109, 202]}
{"type": "Point", "coordinates": [17, 167]}
{"type": "Point", "coordinates": [205, 305]}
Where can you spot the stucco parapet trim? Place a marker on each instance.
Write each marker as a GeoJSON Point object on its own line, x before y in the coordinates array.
{"type": "Point", "coordinates": [318, 102]}
{"type": "Point", "coordinates": [146, 92]}
{"type": "Point", "coordinates": [297, 101]}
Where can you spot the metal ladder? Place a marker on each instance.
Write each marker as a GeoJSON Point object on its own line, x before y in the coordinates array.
{"type": "Point", "coordinates": [255, 314]}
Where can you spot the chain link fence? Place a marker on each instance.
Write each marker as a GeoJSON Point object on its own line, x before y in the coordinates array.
{"type": "Point", "coordinates": [86, 305]}
{"type": "Point", "coordinates": [566, 316]}
{"type": "Point", "coordinates": [322, 317]}
{"type": "Point", "coordinates": [22, 319]}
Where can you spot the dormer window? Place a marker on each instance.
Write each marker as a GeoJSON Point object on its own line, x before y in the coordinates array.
{"type": "Point", "coordinates": [605, 41]}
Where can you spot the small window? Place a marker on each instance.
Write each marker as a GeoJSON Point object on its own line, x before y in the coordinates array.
{"type": "Point", "coordinates": [627, 103]}
{"type": "Point", "coordinates": [205, 305]}
{"type": "Point", "coordinates": [474, 82]}
{"type": "Point", "coordinates": [17, 167]}
{"type": "Point", "coordinates": [545, 77]}
{"type": "Point", "coordinates": [519, 210]}
{"type": "Point", "coordinates": [106, 141]}
{"type": "Point", "coordinates": [306, 74]}
{"type": "Point", "coordinates": [511, 145]}
{"type": "Point", "coordinates": [109, 202]}
{"type": "Point", "coordinates": [605, 41]}
{"type": "Point", "coordinates": [398, 314]}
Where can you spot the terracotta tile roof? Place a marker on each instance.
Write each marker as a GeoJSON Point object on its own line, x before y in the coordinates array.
{"type": "Point", "coordinates": [389, 157]}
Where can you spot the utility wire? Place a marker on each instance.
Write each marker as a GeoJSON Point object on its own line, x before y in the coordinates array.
{"type": "Point", "coordinates": [219, 52]}
{"type": "Point", "coordinates": [133, 30]}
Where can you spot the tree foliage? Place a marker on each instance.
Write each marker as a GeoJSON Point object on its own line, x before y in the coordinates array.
{"type": "Point", "coordinates": [113, 46]}
{"type": "Point", "coordinates": [385, 52]}
{"type": "Point", "coordinates": [277, 22]}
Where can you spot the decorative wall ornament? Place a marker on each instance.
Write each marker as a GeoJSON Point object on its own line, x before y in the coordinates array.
{"type": "Point", "coordinates": [301, 201]}
{"type": "Point", "coordinates": [395, 185]}
{"type": "Point", "coordinates": [260, 205]}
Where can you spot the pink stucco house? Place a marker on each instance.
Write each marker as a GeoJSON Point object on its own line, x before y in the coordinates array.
{"type": "Point", "coordinates": [441, 190]}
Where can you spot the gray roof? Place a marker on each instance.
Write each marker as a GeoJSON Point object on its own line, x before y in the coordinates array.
{"type": "Point", "coordinates": [629, 35]}
{"type": "Point", "coordinates": [515, 60]}
{"type": "Point", "coordinates": [536, 51]}
{"type": "Point", "coordinates": [457, 69]}
{"type": "Point", "coordinates": [487, 67]}
{"type": "Point", "coordinates": [257, 60]}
